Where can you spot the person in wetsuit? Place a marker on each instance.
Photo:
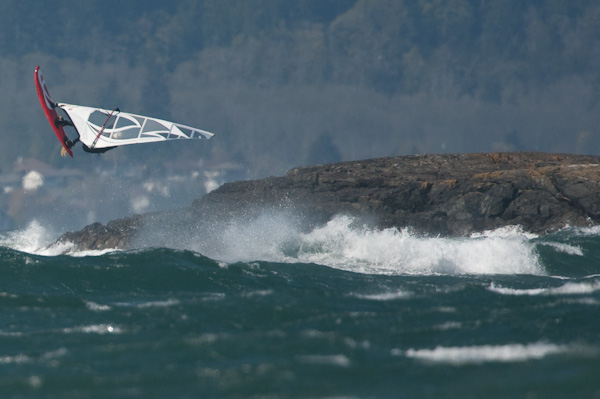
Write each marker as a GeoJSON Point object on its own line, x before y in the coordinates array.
{"type": "Point", "coordinates": [60, 121]}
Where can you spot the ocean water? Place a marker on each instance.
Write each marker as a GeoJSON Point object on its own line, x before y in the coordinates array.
{"type": "Point", "coordinates": [260, 310]}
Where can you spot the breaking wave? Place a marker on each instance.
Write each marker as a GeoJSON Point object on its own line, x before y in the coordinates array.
{"type": "Point", "coordinates": [346, 245]}
{"type": "Point", "coordinates": [40, 240]}
{"type": "Point", "coordinates": [342, 244]}
{"type": "Point", "coordinates": [34, 239]}
{"type": "Point", "coordinates": [393, 251]}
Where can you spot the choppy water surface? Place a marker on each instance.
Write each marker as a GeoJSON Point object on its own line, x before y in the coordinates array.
{"type": "Point", "coordinates": [341, 311]}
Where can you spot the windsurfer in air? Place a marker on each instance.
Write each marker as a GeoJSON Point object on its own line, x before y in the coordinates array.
{"type": "Point", "coordinates": [62, 122]}
{"type": "Point", "coordinates": [100, 130]}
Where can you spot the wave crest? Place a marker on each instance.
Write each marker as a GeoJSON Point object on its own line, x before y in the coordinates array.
{"type": "Point", "coordinates": [391, 251]}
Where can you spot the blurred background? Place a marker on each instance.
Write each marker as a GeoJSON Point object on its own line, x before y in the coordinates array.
{"type": "Point", "coordinates": [283, 84]}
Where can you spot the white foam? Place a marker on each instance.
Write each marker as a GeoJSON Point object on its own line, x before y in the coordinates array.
{"type": "Point", "coordinates": [10, 333]}
{"type": "Point", "coordinates": [332, 360]}
{"type": "Point", "coordinates": [94, 252]}
{"type": "Point", "coordinates": [343, 245]}
{"type": "Point", "coordinates": [32, 239]}
{"type": "Point", "coordinates": [490, 353]}
{"type": "Point", "coordinates": [583, 301]}
{"type": "Point", "coordinates": [259, 239]}
{"type": "Point", "coordinates": [39, 240]}
{"type": "Point", "coordinates": [60, 352]}
{"type": "Point", "coordinates": [206, 339]}
{"type": "Point", "coordinates": [257, 293]}
{"type": "Point", "coordinates": [393, 251]}
{"type": "Point", "coordinates": [584, 231]}
{"type": "Point", "coordinates": [94, 329]}
{"type": "Point", "coordinates": [150, 304]}
{"type": "Point", "coordinates": [564, 248]}
{"type": "Point", "coordinates": [385, 296]}
{"type": "Point", "coordinates": [340, 244]}
{"type": "Point", "coordinates": [97, 307]}
{"type": "Point", "coordinates": [450, 325]}
{"type": "Point", "coordinates": [159, 304]}
{"type": "Point", "coordinates": [213, 296]}
{"type": "Point", "coordinates": [506, 232]}
{"type": "Point", "coordinates": [15, 359]}
{"type": "Point", "coordinates": [570, 288]}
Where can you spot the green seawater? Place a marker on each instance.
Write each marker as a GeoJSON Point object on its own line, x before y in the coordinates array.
{"type": "Point", "coordinates": [160, 322]}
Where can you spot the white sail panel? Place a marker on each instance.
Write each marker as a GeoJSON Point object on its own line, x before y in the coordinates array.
{"type": "Point", "coordinates": [100, 128]}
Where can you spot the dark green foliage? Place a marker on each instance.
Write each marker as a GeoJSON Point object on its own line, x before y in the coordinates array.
{"type": "Point", "coordinates": [253, 71]}
{"type": "Point", "coordinates": [363, 41]}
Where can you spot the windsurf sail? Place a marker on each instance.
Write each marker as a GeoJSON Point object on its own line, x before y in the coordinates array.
{"type": "Point", "coordinates": [100, 129]}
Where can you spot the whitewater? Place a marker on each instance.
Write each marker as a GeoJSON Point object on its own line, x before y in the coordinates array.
{"type": "Point", "coordinates": [260, 309]}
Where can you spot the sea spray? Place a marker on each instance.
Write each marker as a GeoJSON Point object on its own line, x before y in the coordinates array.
{"type": "Point", "coordinates": [263, 238]}
{"type": "Point", "coordinates": [391, 251]}
{"type": "Point", "coordinates": [33, 239]}
{"type": "Point", "coordinates": [345, 244]}
{"type": "Point", "coordinates": [38, 239]}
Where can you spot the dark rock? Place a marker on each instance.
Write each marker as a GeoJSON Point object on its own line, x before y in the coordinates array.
{"type": "Point", "coordinates": [450, 194]}
{"type": "Point", "coordinates": [116, 234]}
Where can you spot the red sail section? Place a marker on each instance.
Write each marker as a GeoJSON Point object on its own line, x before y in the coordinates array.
{"type": "Point", "coordinates": [47, 105]}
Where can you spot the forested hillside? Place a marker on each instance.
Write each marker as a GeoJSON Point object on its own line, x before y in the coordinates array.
{"type": "Point", "coordinates": [287, 83]}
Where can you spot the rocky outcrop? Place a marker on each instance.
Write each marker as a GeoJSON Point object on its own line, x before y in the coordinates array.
{"type": "Point", "coordinates": [96, 236]}
{"type": "Point", "coordinates": [449, 194]}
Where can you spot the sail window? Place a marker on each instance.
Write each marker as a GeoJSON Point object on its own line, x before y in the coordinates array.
{"type": "Point", "coordinates": [125, 122]}
{"type": "Point", "coordinates": [154, 128]}
{"type": "Point", "coordinates": [101, 119]}
{"type": "Point", "coordinates": [126, 134]}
